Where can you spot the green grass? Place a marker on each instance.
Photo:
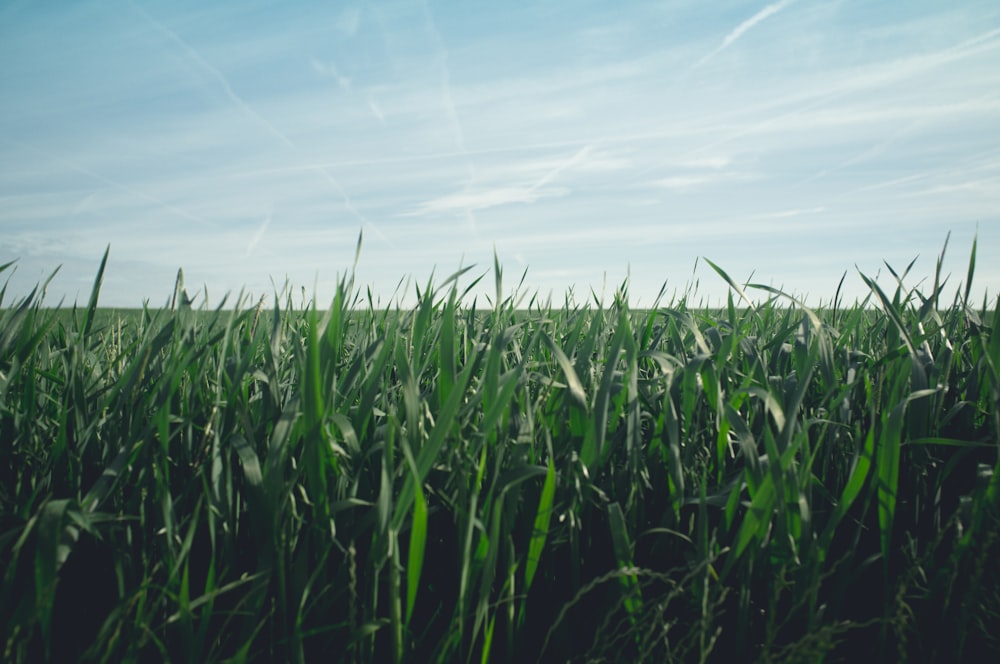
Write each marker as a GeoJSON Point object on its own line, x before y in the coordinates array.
{"type": "Point", "coordinates": [526, 482]}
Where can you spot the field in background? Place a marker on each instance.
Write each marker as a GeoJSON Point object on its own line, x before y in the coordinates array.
{"type": "Point", "coordinates": [521, 483]}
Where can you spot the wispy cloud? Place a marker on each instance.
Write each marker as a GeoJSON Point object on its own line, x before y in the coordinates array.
{"type": "Point", "coordinates": [258, 234]}
{"type": "Point", "coordinates": [987, 186]}
{"type": "Point", "coordinates": [84, 203]}
{"type": "Point", "coordinates": [375, 108]}
{"type": "Point", "coordinates": [843, 100]}
{"type": "Point", "coordinates": [120, 186]}
{"type": "Point", "coordinates": [573, 161]}
{"type": "Point", "coordinates": [682, 182]}
{"type": "Point", "coordinates": [508, 185]}
{"type": "Point", "coordinates": [716, 162]}
{"type": "Point", "coordinates": [330, 69]}
{"type": "Point", "coordinates": [486, 198]}
{"type": "Point", "coordinates": [348, 21]}
{"type": "Point", "coordinates": [701, 178]}
{"type": "Point", "coordinates": [219, 77]}
{"type": "Point", "coordinates": [785, 214]}
{"type": "Point", "coordinates": [272, 135]}
{"type": "Point", "coordinates": [711, 228]}
{"type": "Point", "coordinates": [872, 152]}
{"type": "Point", "coordinates": [348, 203]}
{"type": "Point", "coordinates": [448, 102]}
{"type": "Point", "coordinates": [236, 99]}
{"type": "Point", "coordinates": [743, 28]}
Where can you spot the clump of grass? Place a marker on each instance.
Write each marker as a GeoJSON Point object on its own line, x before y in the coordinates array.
{"type": "Point", "coordinates": [445, 482]}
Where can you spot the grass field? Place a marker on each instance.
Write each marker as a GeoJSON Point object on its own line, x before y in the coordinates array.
{"type": "Point", "coordinates": [526, 482]}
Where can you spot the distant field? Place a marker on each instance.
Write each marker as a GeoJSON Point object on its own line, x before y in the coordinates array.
{"type": "Point", "coordinates": [518, 483]}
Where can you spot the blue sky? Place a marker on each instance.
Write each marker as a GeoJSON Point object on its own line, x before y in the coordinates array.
{"type": "Point", "coordinates": [249, 143]}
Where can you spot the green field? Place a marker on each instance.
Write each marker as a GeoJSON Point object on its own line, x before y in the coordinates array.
{"type": "Point", "coordinates": [527, 482]}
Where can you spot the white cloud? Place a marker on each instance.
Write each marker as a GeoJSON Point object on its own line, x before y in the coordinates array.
{"type": "Point", "coordinates": [717, 162]}
{"type": "Point", "coordinates": [329, 69]}
{"type": "Point", "coordinates": [587, 160]}
{"type": "Point", "coordinates": [688, 182]}
{"type": "Point", "coordinates": [375, 108]}
{"type": "Point", "coordinates": [200, 62]}
{"type": "Point", "coordinates": [578, 158]}
{"type": "Point", "coordinates": [348, 21]}
{"type": "Point", "coordinates": [681, 182]}
{"type": "Point", "coordinates": [784, 214]}
{"type": "Point", "coordinates": [989, 187]}
{"type": "Point", "coordinates": [743, 27]}
{"type": "Point", "coordinates": [258, 234]}
{"type": "Point", "coordinates": [537, 138]}
{"type": "Point", "coordinates": [487, 198]}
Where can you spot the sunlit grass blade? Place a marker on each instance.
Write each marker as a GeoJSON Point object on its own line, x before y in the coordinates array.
{"type": "Point", "coordinates": [91, 312]}
{"type": "Point", "coordinates": [575, 387]}
{"type": "Point", "coordinates": [970, 272]}
{"type": "Point", "coordinates": [732, 284]}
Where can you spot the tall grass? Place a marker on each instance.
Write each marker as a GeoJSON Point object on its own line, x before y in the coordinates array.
{"type": "Point", "coordinates": [523, 482]}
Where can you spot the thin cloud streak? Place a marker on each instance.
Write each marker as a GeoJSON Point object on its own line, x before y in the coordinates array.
{"type": "Point", "coordinates": [197, 58]}
{"type": "Point", "coordinates": [450, 112]}
{"type": "Point", "coordinates": [743, 28]}
{"type": "Point", "coordinates": [573, 161]}
{"type": "Point", "coordinates": [258, 235]}
{"type": "Point", "coordinates": [857, 123]}
{"type": "Point", "coordinates": [202, 64]}
{"type": "Point", "coordinates": [445, 79]}
{"type": "Point", "coordinates": [131, 191]}
{"type": "Point", "coordinates": [791, 111]}
{"type": "Point", "coordinates": [487, 198]}
{"type": "Point", "coordinates": [348, 203]}
{"type": "Point", "coordinates": [507, 191]}
{"type": "Point", "coordinates": [653, 235]}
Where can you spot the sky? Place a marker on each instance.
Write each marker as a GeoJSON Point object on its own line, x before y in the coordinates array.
{"type": "Point", "coordinates": [582, 143]}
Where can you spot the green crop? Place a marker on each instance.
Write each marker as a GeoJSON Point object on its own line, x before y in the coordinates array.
{"type": "Point", "coordinates": [268, 482]}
